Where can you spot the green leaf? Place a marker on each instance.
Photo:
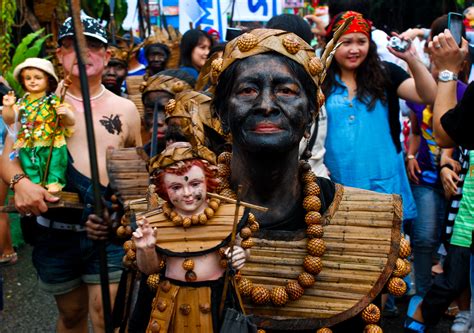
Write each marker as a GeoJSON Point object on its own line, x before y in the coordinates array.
{"type": "Point", "coordinates": [121, 8]}
{"type": "Point", "coordinates": [35, 50]}
{"type": "Point", "coordinates": [14, 84]}
{"type": "Point", "coordinates": [19, 57]}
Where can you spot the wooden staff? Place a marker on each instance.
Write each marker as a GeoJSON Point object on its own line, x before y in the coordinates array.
{"type": "Point", "coordinates": [242, 203]}
{"type": "Point", "coordinates": [80, 48]}
{"type": "Point", "coordinates": [228, 274]}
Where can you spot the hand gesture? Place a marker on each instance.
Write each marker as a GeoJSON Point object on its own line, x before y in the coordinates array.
{"type": "Point", "coordinates": [445, 52]}
{"type": "Point", "coordinates": [66, 114]}
{"type": "Point", "coordinates": [237, 257]}
{"type": "Point", "coordinates": [9, 99]}
{"type": "Point", "coordinates": [408, 54]}
{"type": "Point", "coordinates": [62, 109]}
{"type": "Point", "coordinates": [413, 170]}
{"type": "Point", "coordinates": [449, 179]}
{"type": "Point", "coordinates": [145, 235]}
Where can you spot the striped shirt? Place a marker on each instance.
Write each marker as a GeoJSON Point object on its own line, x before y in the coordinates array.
{"type": "Point", "coordinates": [464, 222]}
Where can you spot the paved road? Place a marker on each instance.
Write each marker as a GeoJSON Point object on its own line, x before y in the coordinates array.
{"type": "Point", "coordinates": [29, 310]}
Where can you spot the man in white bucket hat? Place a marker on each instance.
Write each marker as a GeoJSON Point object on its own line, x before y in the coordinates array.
{"type": "Point", "coordinates": [65, 258]}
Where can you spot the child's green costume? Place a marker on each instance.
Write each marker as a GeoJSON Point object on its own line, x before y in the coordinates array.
{"type": "Point", "coordinates": [37, 124]}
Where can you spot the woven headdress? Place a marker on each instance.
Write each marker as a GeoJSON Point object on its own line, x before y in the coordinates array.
{"type": "Point", "coordinates": [178, 152]}
{"type": "Point", "coordinates": [166, 83]}
{"type": "Point", "coordinates": [260, 41]}
{"type": "Point", "coordinates": [119, 53]}
{"type": "Point", "coordinates": [193, 109]}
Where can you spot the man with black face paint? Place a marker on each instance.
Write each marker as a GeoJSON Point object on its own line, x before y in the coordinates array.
{"type": "Point", "coordinates": [116, 70]}
{"type": "Point", "coordinates": [267, 95]}
{"type": "Point", "coordinates": [157, 55]}
{"type": "Point", "coordinates": [156, 91]}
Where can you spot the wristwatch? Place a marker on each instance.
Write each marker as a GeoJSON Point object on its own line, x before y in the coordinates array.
{"type": "Point", "coordinates": [446, 76]}
{"type": "Point", "coordinates": [411, 157]}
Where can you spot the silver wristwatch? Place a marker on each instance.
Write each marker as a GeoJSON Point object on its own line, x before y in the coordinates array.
{"type": "Point", "coordinates": [446, 76]}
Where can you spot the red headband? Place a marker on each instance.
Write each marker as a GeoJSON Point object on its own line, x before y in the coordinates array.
{"type": "Point", "coordinates": [358, 24]}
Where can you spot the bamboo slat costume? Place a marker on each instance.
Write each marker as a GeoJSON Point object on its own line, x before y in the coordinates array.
{"type": "Point", "coordinates": [351, 248]}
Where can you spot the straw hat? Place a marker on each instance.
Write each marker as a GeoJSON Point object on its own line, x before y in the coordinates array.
{"type": "Point", "coordinates": [42, 64]}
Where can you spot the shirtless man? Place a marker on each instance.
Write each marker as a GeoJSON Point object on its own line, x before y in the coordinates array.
{"type": "Point", "coordinates": [66, 260]}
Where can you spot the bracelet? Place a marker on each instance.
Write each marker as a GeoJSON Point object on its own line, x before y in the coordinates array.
{"type": "Point", "coordinates": [411, 157]}
{"type": "Point", "coordinates": [15, 179]}
{"type": "Point", "coordinates": [446, 165]}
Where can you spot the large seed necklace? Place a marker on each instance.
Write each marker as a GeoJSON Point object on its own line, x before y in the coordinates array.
{"type": "Point", "coordinates": [315, 247]}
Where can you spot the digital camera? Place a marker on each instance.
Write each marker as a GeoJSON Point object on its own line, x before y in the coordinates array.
{"type": "Point", "coordinates": [400, 45]}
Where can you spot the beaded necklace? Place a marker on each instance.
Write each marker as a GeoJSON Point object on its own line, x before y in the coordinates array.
{"type": "Point", "coordinates": [93, 98]}
{"type": "Point", "coordinates": [315, 247]}
{"type": "Point", "coordinates": [27, 126]}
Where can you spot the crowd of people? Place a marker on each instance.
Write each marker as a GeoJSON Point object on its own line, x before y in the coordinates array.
{"type": "Point", "coordinates": [270, 108]}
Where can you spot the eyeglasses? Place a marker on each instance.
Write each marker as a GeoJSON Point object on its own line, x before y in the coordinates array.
{"type": "Point", "coordinates": [92, 43]}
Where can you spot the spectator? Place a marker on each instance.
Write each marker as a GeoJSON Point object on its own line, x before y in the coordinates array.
{"type": "Point", "coordinates": [195, 47]}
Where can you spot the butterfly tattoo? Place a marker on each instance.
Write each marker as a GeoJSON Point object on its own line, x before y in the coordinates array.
{"type": "Point", "coordinates": [112, 124]}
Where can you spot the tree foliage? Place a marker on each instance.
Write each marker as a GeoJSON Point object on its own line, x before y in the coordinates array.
{"type": "Point", "coordinates": [101, 9]}
{"type": "Point", "coordinates": [29, 47]}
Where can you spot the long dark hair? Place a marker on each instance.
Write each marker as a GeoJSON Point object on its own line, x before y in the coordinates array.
{"type": "Point", "coordinates": [190, 40]}
{"type": "Point", "coordinates": [371, 79]}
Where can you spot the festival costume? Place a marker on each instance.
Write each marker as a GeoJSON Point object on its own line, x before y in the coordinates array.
{"type": "Point", "coordinates": [191, 306]}
{"type": "Point", "coordinates": [37, 132]}
{"type": "Point", "coordinates": [361, 238]}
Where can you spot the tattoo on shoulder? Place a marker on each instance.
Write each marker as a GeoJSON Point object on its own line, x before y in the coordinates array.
{"type": "Point", "coordinates": [112, 124]}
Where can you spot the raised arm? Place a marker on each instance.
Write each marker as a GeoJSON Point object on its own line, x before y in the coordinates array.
{"type": "Point", "coordinates": [10, 110]}
{"type": "Point", "coordinates": [446, 55]}
{"type": "Point", "coordinates": [421, 88]}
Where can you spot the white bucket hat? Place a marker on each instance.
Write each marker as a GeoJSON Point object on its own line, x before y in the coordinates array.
{"type": "Point", "coordinates": [42, 64]}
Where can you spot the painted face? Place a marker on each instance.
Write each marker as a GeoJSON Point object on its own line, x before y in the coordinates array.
{"type": "Point", "coordinates": [268, 108]}
{"type": "Point", "coordinates": [353, 51]}
{"type": "Point", "coordinates": [187, 192]}
{"type": "Point", "coordinates": [161, 98]}
{"type": "Point", "coordinates": [200, 53]}
{"type": "Point", "coordinates": [35, 80]}
{"type": "Point", "coordinates": [97, 57]}
{"type": "Point", "coordinates": [114, 74]}
{"type": "Point", "coordinates": [156, 59]}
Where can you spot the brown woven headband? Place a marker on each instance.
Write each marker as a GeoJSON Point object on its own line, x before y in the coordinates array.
{"type": "Point", "coordinates": [177, 152]}
{"type": "Point", "coordinates": [260, 41]}
{"type": "Point", "coordinates": [165, 83]}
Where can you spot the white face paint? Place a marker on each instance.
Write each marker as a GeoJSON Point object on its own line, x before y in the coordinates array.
{"type": "Point", "coordinates": [187, 192]}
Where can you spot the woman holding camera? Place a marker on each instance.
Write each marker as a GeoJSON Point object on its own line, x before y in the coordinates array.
{"type": "Point", "coordinates": [363, 146]}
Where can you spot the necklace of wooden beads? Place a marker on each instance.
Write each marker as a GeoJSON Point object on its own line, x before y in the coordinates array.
{"type": "Point", "coordinates": [186, 222]}
{"type": "Point", "coordinates": [315, 247]}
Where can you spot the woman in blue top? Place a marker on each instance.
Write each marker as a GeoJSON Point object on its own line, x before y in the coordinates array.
{"type": "Point", "coordinates": [363, 139]}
